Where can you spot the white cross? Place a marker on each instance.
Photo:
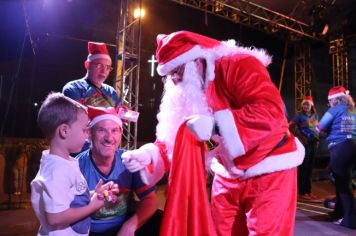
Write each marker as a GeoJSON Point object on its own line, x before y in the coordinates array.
{"type": "Point", "coordinates": [152, 61]}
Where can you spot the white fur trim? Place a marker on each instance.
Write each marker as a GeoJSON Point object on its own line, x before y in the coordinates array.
{"type": "Point", "coordinates": [230, 135]}
{"type": "Point", "coordinates": [278, 162]}
{"type": "Point", "coordinates": [157, 162]}
{"type": "Point", "coordinates": [210, 71]}
{"type": "Point", "coordinates": [268, 165]}
{"type": "Point", "coordinates": [226, 48]}
{"type": "Point", "coordinates": [336, 95]}
{"type": "Point", "coordinates": [219, 169]}
{"type": "Point", "coordinates": [105, 117]}
{"type": "Point", "coordinates": [305, 100]}
{"type": "Point", "coordinates": [92, 57]}
{"type": "Point", "coordinates": [191, 55]}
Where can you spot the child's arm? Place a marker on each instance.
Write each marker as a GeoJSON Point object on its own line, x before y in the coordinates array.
{"type": "Point", "coordinates": [71, 215]}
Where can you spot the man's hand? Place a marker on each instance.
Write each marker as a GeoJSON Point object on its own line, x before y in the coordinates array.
{"type": "Point", "coordinates": [201, 126]}
{"type": "Point", "coordinates": [136, 160]}
{"type": "Point", "coordinates": [109, 186]}
{"type": "Point", "coordinates": [129, 227]}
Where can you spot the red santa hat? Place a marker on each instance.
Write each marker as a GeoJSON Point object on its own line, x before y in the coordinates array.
{"type": "Point", "coordinates": [97, 50]}
{"type": "Point", "coordinates": [308, 99]}
{"type": "Point", "coordinates": [97, 114]}
{"type": "Point", "coordinates": [181, 47]}
{"type": "Point", "coordinates": [337, 91]}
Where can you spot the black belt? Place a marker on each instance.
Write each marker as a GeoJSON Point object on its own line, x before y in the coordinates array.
{"type": "Point", "coordinates": [283, 141]}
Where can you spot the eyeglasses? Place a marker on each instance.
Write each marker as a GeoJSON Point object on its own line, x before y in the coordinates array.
{"type": "Point", "coordinates": [102, 66]}
{"type": "Point", "coordinates": [178, 71]}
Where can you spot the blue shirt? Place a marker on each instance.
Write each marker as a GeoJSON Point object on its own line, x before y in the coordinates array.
{"type": "Point", "coordinates": [112, 215]}
{"type": "Point", "coordinates": [307, 125]}
{"type": "Point", "coordinates": [87, 94]}
{"type": "Point", "coordinates": [340, 122]}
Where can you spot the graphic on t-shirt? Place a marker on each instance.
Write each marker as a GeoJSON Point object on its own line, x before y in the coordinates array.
{"type": "Point", "coordinates": [96, 99]}
{"type": "Point", "coordinates": [113, 210]}
{"type": "Point", "coordinates": [347, 124]}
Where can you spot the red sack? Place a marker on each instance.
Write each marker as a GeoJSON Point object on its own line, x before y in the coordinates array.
{"type": "Point", "coordinates": [187, 211]}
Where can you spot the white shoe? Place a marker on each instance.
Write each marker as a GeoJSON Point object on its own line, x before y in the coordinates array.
{"type": "Point", "coordinates": [338, 222]}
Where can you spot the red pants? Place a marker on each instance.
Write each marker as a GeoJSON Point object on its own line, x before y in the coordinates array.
{"type": "Point", "coordinates": [262, 205]}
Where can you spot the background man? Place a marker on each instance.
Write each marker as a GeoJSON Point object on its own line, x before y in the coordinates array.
{"type": "Point", "coordinates": [228, 87]}
{"type": "Point", "coordinates": [91, 90]}
{"type": "Point", "coordinates": [103, 161]}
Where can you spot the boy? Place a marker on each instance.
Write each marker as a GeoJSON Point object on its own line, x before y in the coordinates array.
{"type": "Point", "coordinates": [59, 192]}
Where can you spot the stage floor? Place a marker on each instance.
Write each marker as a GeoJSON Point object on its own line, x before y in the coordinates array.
{"type": "Point", "coordinates": [311, 217]}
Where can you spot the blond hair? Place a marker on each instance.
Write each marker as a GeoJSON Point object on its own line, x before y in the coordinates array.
{"type": "Point", "coordinates": [344, 99]}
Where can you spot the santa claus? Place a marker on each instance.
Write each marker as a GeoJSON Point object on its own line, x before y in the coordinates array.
{"type": "Point", "coordinates": [218, 88]}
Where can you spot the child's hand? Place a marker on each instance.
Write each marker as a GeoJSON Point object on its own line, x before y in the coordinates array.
{"type": "Point", "coordinates": [107, 191]}
{"type": "Point", "coordinates": [95, 202]}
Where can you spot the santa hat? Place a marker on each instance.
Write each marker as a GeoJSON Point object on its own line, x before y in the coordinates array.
{"type": "Point", "coordinates": [97, 114]}
{"type": "Point", "coordinates": [181, 47]}
{"type": "Point", "coordinates": [308, 99]}
{"type": "Point", "coordinates": [97, 50]}
{"type": "Point", "coordinates": [337, 91]}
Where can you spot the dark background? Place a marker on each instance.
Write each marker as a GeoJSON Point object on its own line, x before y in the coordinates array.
{"type": "Point", "coordinates": [60, 29]}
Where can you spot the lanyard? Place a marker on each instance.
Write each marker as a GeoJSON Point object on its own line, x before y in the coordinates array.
{"type": "Point", "coordinates": [100, 92]}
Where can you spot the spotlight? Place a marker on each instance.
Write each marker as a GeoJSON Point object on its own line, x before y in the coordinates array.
{"type": "Point", "coordinates": [139, 13]}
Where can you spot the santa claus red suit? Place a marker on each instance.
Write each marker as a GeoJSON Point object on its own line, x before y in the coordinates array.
{"type": "Point", "coordinates": [222, 90]}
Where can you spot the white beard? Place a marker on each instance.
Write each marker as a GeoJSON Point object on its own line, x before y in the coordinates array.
{"type": "Point", "coordinates": [179, 101]}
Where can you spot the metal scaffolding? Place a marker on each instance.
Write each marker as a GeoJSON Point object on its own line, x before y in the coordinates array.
{"type": "Point", "coordinates": [253, 15]}
{"type": "Point", "coordinates": [302, 73]}
{"type": "Point", "coordinates": [338, 51]}
{"type": "Point", "coordinates": [127, 77]}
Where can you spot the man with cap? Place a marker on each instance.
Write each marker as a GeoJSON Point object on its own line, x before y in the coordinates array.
{"type": "Point", "coordinates": [213, 85]}
{"type": "Point", "coordinates": [91, 90]}
{"type": "Point", "coordinates": [303, 127]}
{"type": "Point", "coordinates": [339, 122]}
{"type": "Point", "coordinates": [103, 161]}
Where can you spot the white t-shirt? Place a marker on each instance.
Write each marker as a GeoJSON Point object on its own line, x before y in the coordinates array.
{"type": "Point", "coordinates": [59, 185]}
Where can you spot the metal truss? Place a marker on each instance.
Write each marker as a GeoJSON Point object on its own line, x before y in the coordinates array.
{"type": "Point", "coordinates": [127, 75]}
{"type": "Point", "coordinates": [338, 51]}
{"type": "Point", "coordinates": [302, 73]}
{"type": "Point", "coordinates": [255, 16]}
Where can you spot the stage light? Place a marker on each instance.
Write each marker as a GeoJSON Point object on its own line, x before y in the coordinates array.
{"type": "Point", "coordinates": [319, 22]}
{"type": "Point", "coordinates": [325, 30]}
{"type": "Point", "coordinates": [321, 27]}
{"type": "Point", "coordinates": [139, 13]}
